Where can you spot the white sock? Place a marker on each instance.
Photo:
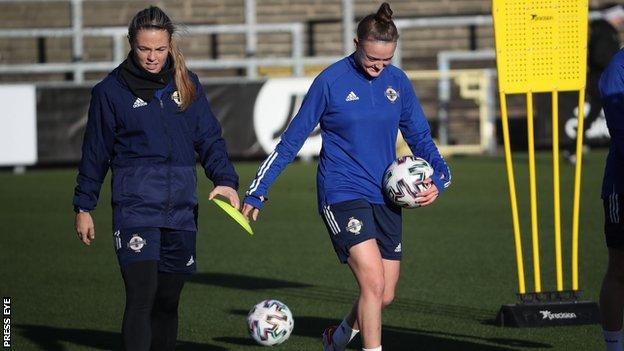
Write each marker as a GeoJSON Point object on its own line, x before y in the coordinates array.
{"type": "Point", "coordinates": [343, 335]}
{"type": "Point", "coordinates": [613, 340]}
{"type": "Point", "coordinates": [378, 348]}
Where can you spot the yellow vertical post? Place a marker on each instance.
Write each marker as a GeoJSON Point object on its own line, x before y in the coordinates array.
{"type": "Point", "coordinates": [556, 188]}
{"type": "Point", "coordinates": [541, 46]}
{"type": "Point", "coordinates": [512, 194]}
{"type": "Point", "coordinates": [533, 195]}
{"type": "Point", "coordinates": [577, 188]}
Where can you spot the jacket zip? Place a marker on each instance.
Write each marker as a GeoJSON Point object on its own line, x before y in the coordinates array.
{"type": "Point", "coordinates": [169, 159]}
{"type": "Point", "coordinates": [370, 84]}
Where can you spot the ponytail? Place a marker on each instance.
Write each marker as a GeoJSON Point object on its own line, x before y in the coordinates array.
{"type": "Point", "coordinates": [185, 86]}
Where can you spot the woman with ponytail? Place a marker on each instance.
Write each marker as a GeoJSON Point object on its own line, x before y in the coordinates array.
{"type": "Point", "coordinates": [147, 120]}
{"type": "Point", "coordinates": [360, 103]}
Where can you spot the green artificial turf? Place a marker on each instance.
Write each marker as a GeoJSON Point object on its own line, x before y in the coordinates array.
{"type": "Point", "coordinates": [458, 267]}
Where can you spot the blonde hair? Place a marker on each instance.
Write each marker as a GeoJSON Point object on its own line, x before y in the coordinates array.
{"type": "Point", "coordinates": [155, 18]}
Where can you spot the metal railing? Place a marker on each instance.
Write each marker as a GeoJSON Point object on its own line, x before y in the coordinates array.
{"type": "Point", "coordinates": [77, 33]}
{"type": "Point", "coordinates": [250, 29]}
{"type": "Point", "coordinates": [477, 85]}
{"type": "Point", "coordinates": [118, 34]}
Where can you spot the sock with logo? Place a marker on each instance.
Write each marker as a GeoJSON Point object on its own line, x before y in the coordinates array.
{"type": "Point", "coordinates": [613, 340]}
{"type": "Point", "coordinates": [378, 348]}
{"type": "Point", "coordinates": [343, 335]}
{"type": "Point", "coordinates": [165, 311]}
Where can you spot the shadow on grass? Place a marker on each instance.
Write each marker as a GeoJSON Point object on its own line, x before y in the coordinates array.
{"type": "Point", "coordinates": [245, 282]}
{"type": "Point", "coordinates": [52, 339]}
{"type": "Point", "coordinates": [395, 338]}
{"type": "Point", "coordinates": [320, 293]}
{"type": "Point", "coordinates": [435, 340]}
{"type": "Point", "coordinates": [399, 338]}
{"type": "Point", "coordinates": [402, 304]}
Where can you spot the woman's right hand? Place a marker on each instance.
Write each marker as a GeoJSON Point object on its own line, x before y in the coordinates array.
{"type": "Point", "coordinates": [85, 228]}
{"type": "Point", "coordinates": [247, 209]}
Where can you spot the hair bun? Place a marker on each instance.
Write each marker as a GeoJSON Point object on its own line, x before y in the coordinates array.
{"type": "Point", "coordinates": [378, 26]}
{"type": "Point", "coordinates": [384, 13]}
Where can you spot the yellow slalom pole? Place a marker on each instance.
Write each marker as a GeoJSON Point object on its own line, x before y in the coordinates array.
{"type": "Point", "coordinates": [512, 194]}
{"type": "Point", "coordinates": [577, 187]}
{"type": "Point", "coordinates": [556, 188]}
{"type": "Point", "coordinates": [533, 193]}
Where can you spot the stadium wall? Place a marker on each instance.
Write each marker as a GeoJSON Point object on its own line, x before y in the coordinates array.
{"type": "Point", "coordinates": [253, 115]}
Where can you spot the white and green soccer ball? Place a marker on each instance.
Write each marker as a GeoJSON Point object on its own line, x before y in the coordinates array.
{"type": "Point", "coordinates": [404, 179]}
{"type": "Point", "coordinates": [270, 322]}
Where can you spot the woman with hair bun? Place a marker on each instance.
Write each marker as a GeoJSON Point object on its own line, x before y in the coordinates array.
{"type": "Point", "coordinates": [360, 102]}
{"type": "Point", "coordinates": [147, 119]}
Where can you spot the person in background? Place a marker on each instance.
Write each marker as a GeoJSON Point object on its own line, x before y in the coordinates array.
{"type": "Point", "coordinates": [604, 42]}
{"type": "Point", "coordinates": [612, 293]}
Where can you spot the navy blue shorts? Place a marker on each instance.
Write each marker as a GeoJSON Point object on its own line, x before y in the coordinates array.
{"type": "Point", "coordinates": [614, 224]}
{"type": "Point", "coordinates": [352, 222]}
{"type": "Point", "coordinates": [173, 249]}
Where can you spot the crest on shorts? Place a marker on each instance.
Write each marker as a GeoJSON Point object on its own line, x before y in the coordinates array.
{"type": "Point", "coordinates": [354, 225]}
{"type": "Point", "coordinates": [176, 98]}
{"type": "Point", "coordinates": [391, 94]}
{"type": "Point", "coordinates": [136, 243]}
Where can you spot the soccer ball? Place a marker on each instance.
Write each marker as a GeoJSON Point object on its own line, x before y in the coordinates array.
{"type": "Point", "coordinates": [270, 322]}
{"type": "Point", "coordinates": [403, 180]}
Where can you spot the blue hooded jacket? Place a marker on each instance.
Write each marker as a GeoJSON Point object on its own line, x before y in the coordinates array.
{"type": "Point", "coordinates": [150, 148]}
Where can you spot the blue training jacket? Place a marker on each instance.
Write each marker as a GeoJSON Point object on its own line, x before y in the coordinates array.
{"type": "Point", "coordinates": [359, 119]}
{"type": "Point", "coordinates": [150, 149]}
{"type": "Point", "coordinates": [612, 94]}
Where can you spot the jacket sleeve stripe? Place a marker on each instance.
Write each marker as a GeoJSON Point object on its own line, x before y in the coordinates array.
{"type": "Point", "coordinates": [262, 171]}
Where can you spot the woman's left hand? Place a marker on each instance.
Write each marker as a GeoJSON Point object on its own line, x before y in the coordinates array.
{"type": "Point", "coordinates": [428, 196]}
{"type": "Point", "coordinates": [226, 192]}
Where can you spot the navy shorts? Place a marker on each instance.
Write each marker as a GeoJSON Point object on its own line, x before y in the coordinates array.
{"type": "Point", "coordinates": [352, 222]}
{"type": "Point", "coordinates": [173, 249]}
{"type": "Point", "coordinates": [614, 226]}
